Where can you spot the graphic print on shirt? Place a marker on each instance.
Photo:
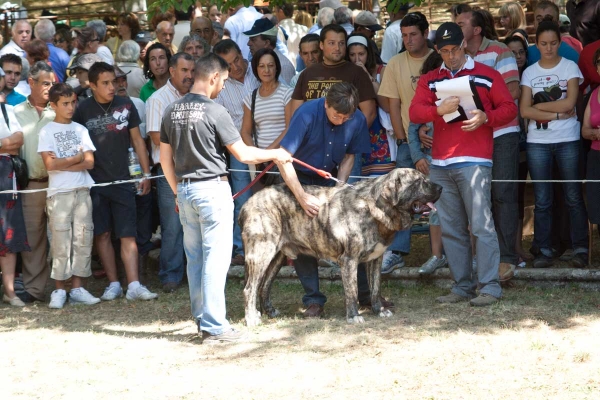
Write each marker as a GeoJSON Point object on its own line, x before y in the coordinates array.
{"type": "Point", "coordinates": [116, 122]}
{"type": "Point", "coordinates": [553, 89]}
{"type": "Point", "coordinates": [67, 143]}
{"type": "Point", "coordinates": [184, 113]}
{"type": "Point", "coordinates": [318, 88]}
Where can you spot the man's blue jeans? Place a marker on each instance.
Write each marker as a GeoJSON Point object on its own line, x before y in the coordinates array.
{"type": "Point", "coordinates": [401, 241]}
{"type": "Point", "coordinates": [172, 263]}
{"type": "Point", "coordinates": [239, 180]}
{"type": "Point", "coordinates": [539, 160]}
{"type": "Point", "coordinates": [206, 214]}
{"type": "Point", "coordinates": [307, 268]}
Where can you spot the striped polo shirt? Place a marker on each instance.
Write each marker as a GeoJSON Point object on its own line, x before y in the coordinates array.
{"type": "Point", "coordinates": [498, 56]}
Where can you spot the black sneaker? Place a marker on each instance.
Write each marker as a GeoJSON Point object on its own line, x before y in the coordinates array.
{"type": "Point", "coordinates": [542, 261]}
{"type": "Point", "coordinates": [231, 335]}
{"type": "Point", "coordinates": [579, 260]}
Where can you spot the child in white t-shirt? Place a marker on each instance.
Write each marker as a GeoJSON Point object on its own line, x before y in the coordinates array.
{"type": "Point", "coordinates": [67, 151]}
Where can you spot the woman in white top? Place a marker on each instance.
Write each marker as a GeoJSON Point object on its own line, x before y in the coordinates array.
{"type": "Point", "coordinates": [272, 110]}
{"type": "Point", "coordinates": [13, 238]}
{"type": "Point", "coordinates": [549, 90]}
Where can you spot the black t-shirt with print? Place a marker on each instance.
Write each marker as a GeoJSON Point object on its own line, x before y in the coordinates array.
{"type": "Point", "coordinates": [109, 132]}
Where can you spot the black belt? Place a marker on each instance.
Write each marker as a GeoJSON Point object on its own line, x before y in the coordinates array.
{"type": "Point", "coordinates": [40, 180]}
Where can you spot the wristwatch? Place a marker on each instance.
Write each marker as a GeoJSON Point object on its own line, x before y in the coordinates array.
{"type": "Point", "coordinates": [400, 141]}
{"type": "Point", "coordinates": [0, 143]}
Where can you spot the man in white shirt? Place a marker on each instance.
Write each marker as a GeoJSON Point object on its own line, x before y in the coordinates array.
{"type": "Point", "coordinates": [21, 34]}
{"type": "Point", "coordinates": [242, 20]}
{"type": "Point", "coordinates": [172, 265]}
{"type": "Point", "coordinates": [392, 38]}
{"type": "Point", "coordinates": [294, 31]}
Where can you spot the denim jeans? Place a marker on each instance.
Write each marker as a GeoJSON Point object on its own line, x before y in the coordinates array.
{"type": "Point", "coordinates": [206, 214]}
{"type": "Point", "coordinates": [467, 198]}
{"type": "Point", "coordinates": [539, 159]}
{"type": "Point", "coordinates": [401, 240]}
{"type": "Point", "coordinates": [307, 268]}
{"type": "Point", "coordinates": [239, 180]}
{"type": "Point", "coordinates": [172, 262]}
{"type": "Point", "coordinates": [505, 198]}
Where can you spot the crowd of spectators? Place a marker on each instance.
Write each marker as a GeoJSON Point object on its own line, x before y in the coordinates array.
{"type": "Point", "coordinates": [79, 103]}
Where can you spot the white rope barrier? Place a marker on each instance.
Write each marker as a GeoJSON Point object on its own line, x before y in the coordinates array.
{"type": "Point", "coordinates": [120, 182]}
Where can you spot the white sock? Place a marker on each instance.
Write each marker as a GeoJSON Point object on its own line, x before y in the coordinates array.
{"type": "Point", "coordinates": [133, 285]}
{"type": "Point", "coordinates": [114, 284]}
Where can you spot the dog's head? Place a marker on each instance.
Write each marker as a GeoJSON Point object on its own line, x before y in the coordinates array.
{"type": "Point", "coordinates": [405, 191]}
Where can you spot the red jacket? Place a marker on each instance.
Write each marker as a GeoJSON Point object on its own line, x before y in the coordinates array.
{"type": "Point", "coordinates": [453, 145]}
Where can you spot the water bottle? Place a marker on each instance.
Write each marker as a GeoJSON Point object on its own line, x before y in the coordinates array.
{"type": "Point", "coordinates": [135, 170]}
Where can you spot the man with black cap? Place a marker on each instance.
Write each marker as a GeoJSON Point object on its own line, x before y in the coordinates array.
{"type": "Point", "coordinates": [392, 37]}
{"type": "Point", "coordinates": [367, 24]}
{"type": "Point", "coordinates": [264, 35]}
{"type": "Point", "coordinates": [462, 164]}
{"type": "Point", "coordinates": [81, 65]}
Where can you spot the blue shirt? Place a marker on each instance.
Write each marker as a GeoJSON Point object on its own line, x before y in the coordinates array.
{"type": "Point", "coordinates": [59, 60]}
{"type": "Point", "coordinates": [566, 51]}
{"type": "Point", "coordinates": [14, 98]}
{"type": "Point", "coordinates": [316, 141]}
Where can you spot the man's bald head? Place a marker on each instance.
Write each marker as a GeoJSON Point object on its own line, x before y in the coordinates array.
{"type": "Point", "coordinates": [164, 33]}
{"type": "Point", "coordinates": [21, 32]}
{"type": "Point", "coordinates": [203, 27]}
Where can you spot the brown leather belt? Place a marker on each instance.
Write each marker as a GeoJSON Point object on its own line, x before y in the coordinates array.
{"type": "Point", "coordinates": [41, 180]}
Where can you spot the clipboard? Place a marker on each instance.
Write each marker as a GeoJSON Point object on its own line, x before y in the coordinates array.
{"type": "Point", "coordinates": [466, 90]}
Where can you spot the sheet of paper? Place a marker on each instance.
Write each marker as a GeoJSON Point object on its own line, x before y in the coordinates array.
{"type": "Point", "coordinates": [459, 87]}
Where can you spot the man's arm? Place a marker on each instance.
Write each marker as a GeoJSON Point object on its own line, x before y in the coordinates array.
{"type": "Point", "coordinates": [296, 104]}
{"type": "Point", "coordinates": [369, 108]}
{"type": "Point", "coordinates": [345, 167]}
{"type": "Point", "coordinates": [396, 118]}
{"type": "Point", "coordinates": [168, 165]}
{"type": "Point", "coordinates": [515, 89]}
{"type": "Point", "coordinates": [254, 155]}
{"type": "Point", "coordinates": [12, 143]}
{"type": "Point", "coordinates": [140, 148]}
{"type": "Point", "coordinates": [308, 202]}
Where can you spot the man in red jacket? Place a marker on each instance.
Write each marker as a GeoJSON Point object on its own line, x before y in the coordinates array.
{"type": "Point", "coordinates": [462, 164]}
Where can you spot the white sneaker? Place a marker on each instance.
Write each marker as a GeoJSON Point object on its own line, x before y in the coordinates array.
{"type": "Point", "coordinates": [432, 264]}
{"type": "Point", "coordinates": [111, 293]}
{"type": "Point", "coordinates": [82, 296]}
{"type": "Point", "coordinates": [141, 293]}
{"type": "Point", "coordinates": [390, 262]}
{"type": "Point", "coordinates": [57, 299]}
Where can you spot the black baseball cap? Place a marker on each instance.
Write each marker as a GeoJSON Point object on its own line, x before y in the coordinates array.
{"type": "Point", "coordinates": [448, 34]}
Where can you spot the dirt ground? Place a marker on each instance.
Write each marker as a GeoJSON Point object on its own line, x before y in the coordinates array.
{"type": "Point", "coordinates": [534, 344]}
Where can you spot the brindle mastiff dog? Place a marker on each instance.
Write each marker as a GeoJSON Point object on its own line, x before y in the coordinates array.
{"type": "Point", "coordinates": [354, 225]}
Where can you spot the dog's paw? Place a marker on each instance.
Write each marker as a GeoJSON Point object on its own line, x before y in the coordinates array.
{"type": "Point", "coordinates": [384, 313]}
{"type": "Point", "coordinates": [357, 319]}
{"type": "Point", "coordinates": [253, 320]}
{"type": "Point", "coordinates": [273, 313]}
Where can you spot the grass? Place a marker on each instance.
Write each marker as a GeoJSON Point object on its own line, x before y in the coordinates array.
{"type": "Point", "coordinates": [535, 344]}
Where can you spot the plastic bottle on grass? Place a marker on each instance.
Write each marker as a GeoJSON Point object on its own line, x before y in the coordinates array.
{"type": "Point", "coordinates": [135, 170]}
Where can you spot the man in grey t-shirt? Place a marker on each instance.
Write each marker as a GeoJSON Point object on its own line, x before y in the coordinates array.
{"type": "Point", "coordinates": [193, 138]}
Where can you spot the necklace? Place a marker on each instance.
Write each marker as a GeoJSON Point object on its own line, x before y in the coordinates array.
{"type": "Point", "coordinates": [108, 109]}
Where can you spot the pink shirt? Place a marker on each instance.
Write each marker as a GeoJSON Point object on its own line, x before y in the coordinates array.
{"type": "Point", "coordinates": [595, 116]}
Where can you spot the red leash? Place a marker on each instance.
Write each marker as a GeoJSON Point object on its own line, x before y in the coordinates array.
{"type": "Point", "coordinates": [320, 172]}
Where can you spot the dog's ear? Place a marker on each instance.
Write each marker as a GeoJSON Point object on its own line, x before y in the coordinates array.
{"type": "Point", "coordinates": [387, 193]}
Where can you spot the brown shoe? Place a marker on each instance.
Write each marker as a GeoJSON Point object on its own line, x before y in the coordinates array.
{"type": "Point", "coordinates": [506, 271]}
{"type": "Point", "coordinates": [384, 303]}
{"type": "Point", "coordinates": [313, 311]}
{"type": "Point", "coordinates": [483, 300]}
{"type": "Point", "coordinates": [238, 260]}
{"type": "Point", "coordinates": [452, 298]}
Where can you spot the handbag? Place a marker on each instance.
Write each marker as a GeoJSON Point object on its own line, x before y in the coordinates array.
{"type": "Point", "coordinates": [267, 179]}
{"type": "Point", "coordinates": [19, 165]}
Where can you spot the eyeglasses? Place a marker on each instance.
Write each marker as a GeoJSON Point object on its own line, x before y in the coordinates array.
{"type": "Point", "coordinates": [453, 51]}
{"type": "Point", "coordinates": [343, 118]}
{"type": "Point", "coordinates": [45, 84]}
{"type": "Point", "coordinates": [57, 41]}
{"type": "Point", "coordinates": [95, 40]}
{"type": "Point", "coordinates": [519, 53]}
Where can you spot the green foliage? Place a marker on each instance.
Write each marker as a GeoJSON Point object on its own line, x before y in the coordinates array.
{"type": "Point", "coordinates": [157, 6]}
